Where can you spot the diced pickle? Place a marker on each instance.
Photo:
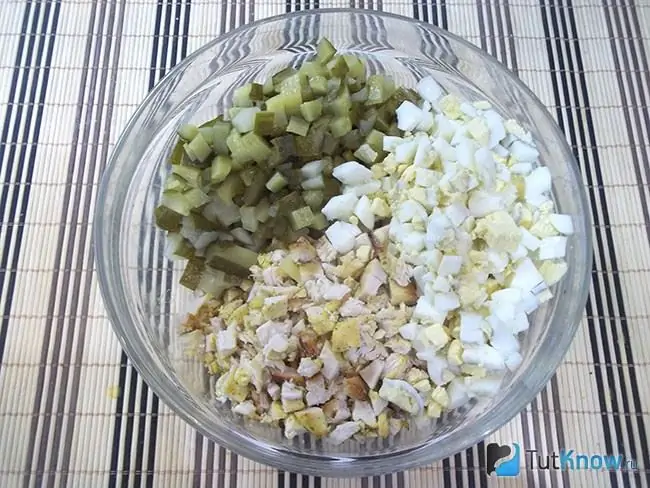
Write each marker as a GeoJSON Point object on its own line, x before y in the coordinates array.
{"type": "Point", "coordinates": [230, 258]}
{"type": "Point", "coordinates": [274, 159]}
{"type": "Point", "coordinates": [367, 122]}
{"type": "Point", "coordinates": [366, 154]}
{"type": "Point", "coordinates": [393, 130]}
{"type": "Point", "coordinates": [293, 176]}
{"type": "Point", "coordinates": [328, 166]}
{"type": "Point", "coordinates": [176, 183]}
{"type": "Point", "coordinates": [249, 219]}
{"type": "Point", "coordinates": [309, 147]}
{"type": "Point", "coordinates": [293, 83]}
{"type": "Point", "coordinates": [340, 126]}
{"type": "Point", "coordinates": [196, 198]}
{"type": "Point", "coordinates": [192, 273]}
{"type": "Point", "coordinates": [190, 174]}
{"type": "Point", "coordinates": [279, 125]}
{"type": "Point", "coordinates": [319, 222]}
{"type": "Point", "coordinates": [241, 97]}
{"type": "Point", "coordinates": [357, 87]}
{"type": "Point", "coordinates": [188, 131]}
{"type": "Point", "coordinates": [402, 94]}
{"type": "Point", "coordinates": [288, 102]}
{"type": "Point", "coordinates": [293, 235]}
{"type": "Point", "coordinates": [286, 146]}
{"type": "Point", "coordinates": [256, 189]}
{"type": "Point", "coordinates": [201, 222]}
{"type": "Point", "coordinates": [356, 113]}
{"type": "Point", "coordinates": [289, 203]}
{"type": "Point", "coordinates": [275, 104]}
{"type": "Point", "coordinates": [337, 67]}
{"type": "Point", "coordinates": [312, 68]}
{"type": "Point", "coordinates": [298, 126]}
{"type": "Point", "coordinates": [178, 153]}
{"type": "Point", "coordinates": [211, 122]}
{"type": "Point", "coordinates": [312, 110]}
{"type": "Point", "coordinates": [281, 228]}
{"type": "Point", "coordinates": [375, 139]}
{"type": "Point", "coordinates": [378, 90]}
{"type": "Point", "coordinates": [352, 140]}
{"type": "Point", "coordinates": [243, 237]}
{"type": "Point", "coordinates": [198, 149]}
{"type": "Point", "coordinates": [262, 237]}
{"type": "Point", "coordinates": [314, 198]}
{"type": "Point", "coordinates": [167, 219]}
{"type": "Point", "coordinates": [341, 105]}
{"type": "Point", "coordinates": [331, 189]}
{"type": "Point", "coordinates": [184, 249]}
{"type": "Point", "coordinates": [257, 148]}
{"type": "Point", "coordinates": [220, 169]}
{"type": "Point", "coordinates": [268, 88]}
{"type": "Point", "coordinates": [326, 109]}
{"type": "Point", "coordinates": [247, 94]}
{"type": "Point", "coordinates": [282, 75]}
{"type": "Point", "coordinates": [333, 87]}
{"type": "Point", "coordinates": [301, 218]}
{"type": "Point", "coordinates": [323, 122]}
{"type": "Point", "coordinates": [205, 176]}
{"type": "Point", "coordinates": [247, 175]}
{"type": "Point", "coordinates": [206, 132]}
{"type": "Point", "coordinates": [262, 210]}
{"type": "Point", "coordinates": [382, 125]}
{"type": "Point", "coordinates": [386, 115]}
{"type": "Point", "coordinates": [257, 92]}
{"type": "Point", "coordinates": [220, 132]}
{"type": "Point", "coordinates": [264, 123]}
{"type": "Point", "coordinates": [290, 268]}
{"type": "Point", "coordinates": [330, 144]}
{"type": "Point", "coordinates": [318, 85]}
{"type": "Point", "coordinates": [230, 188]}
{"type": "Point", "coordinates": [356, 67]}
{"type": "Point", "coordinates": [215, 282]}
{"type": "Point", "coordinates": [325, 51]}
{"type": "Point", "coordinates": [176, 201]}
{"type": "Point", "coordinates": [239, 153]}
{"type": "Point", "coordinates": [276, 183]}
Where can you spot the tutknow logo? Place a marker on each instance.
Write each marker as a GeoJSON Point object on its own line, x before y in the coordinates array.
{"type": "Point", "coordinates": [495, 453]}
{"type": "Point", "coordinates": [504, 460]}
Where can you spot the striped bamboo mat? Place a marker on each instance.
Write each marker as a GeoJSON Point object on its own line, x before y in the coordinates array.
{"type": "Point", "coordinates": [72, 410]}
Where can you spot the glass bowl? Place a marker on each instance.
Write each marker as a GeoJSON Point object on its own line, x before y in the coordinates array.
{"type": "Point", "coordinates": [139, 285]}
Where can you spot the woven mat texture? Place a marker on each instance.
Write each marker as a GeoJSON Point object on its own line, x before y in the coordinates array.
{"type": "Point", "coordinates": [72, 73]}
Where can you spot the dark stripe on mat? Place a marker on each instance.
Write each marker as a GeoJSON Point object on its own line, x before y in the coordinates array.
{"type": "Point", "coordinates": [622, 25]}
{"type": "Point", "coordinates": [127, 397]}
{"type": "Point", "coordinates": [30, 63]}
{"type": "Point", "coordinates": [93, 161]}
{"type": "Point", "coordinates": [569, 82]}
{"type": "Point", "coordinates": [498, 19]}
{"type": "Point", "coordinates": [171, 17]}
{"type": "Point", "coordinates": [27, 102]}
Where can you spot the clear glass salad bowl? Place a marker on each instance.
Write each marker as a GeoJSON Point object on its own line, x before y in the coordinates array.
{"type": "Point", "coordinates": [139, 285]}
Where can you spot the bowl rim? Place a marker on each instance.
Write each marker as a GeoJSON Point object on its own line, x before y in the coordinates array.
{"type": "Point", "coordinates": [332, 465]}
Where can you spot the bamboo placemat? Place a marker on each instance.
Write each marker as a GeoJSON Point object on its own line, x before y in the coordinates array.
{"type": "Point", "coordinates": [72, 410]}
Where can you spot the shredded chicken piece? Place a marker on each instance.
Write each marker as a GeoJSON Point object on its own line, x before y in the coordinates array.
{"type": "Point", "coordinates": [372, 278]}
{"type": "Point", "coordinates": [306, 347]}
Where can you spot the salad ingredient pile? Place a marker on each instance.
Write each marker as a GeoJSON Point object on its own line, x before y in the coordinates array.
{"type": "Point", "coordinates": [369, 254]}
